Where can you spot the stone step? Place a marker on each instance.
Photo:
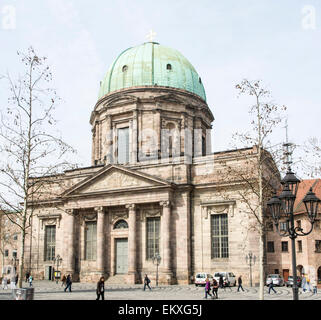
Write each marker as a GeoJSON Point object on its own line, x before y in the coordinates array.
{"type": "Point", "coordinates": [116, 279]}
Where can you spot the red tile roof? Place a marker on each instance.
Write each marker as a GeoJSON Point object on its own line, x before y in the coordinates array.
{"type": "Point", "coordinates": [303, 189]}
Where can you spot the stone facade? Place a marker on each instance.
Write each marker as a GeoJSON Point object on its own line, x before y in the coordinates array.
{"type": "Point", "coordinates": [182, 187]}
{"type": "Point", "coordinates": [308, 248]}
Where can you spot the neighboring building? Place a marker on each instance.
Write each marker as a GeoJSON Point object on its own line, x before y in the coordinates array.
{"type": "Point", "coordinates": [9, 246]}
{"type": "Point", "coordinates": [308, 248]}
{"type": "Point", "coordinates": [154, 185]}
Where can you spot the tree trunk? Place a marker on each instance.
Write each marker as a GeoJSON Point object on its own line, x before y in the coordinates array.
{"type": "Point", "coordinates": [22, 256]}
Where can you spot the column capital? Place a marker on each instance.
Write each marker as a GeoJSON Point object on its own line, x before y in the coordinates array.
{"type": "Point", "coordinates": [130, 206]}
{"type": "Point", "coordinates": [165, 204]}
{"type": "Point", "coordinates": [70, 211]}
{"type": "Point", "coordinates": [99, 209]}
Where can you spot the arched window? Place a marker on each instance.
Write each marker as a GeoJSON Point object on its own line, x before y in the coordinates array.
{"type": "Point", "coordinates": [121, 224]}
{"type": "Point", "coordinates": [171, 127]}
{"type": "Point", "coordinates": [169, 66]}
{"type": "Point", "coordinates": [125, 68]}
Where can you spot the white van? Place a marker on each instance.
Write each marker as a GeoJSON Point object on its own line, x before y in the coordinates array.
{"type": "Point", "coordinates": [228, 278]}
{"type": "Point", "coordinates": [201, 277]}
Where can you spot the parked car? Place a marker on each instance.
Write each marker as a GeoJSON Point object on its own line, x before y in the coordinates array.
{"type": "Point", "coordinates": [276, 279]}
{"type": "Point", "coordinates": [201, 277]}
{"type": "Point", "coordinates": [229, 278]}
{"type": "Point", "coordinates": [289, 282]}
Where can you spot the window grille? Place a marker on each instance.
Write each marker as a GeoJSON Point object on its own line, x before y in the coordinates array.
{"type": "Point", "coordinates": [91, 240]}
{"type": "Point", "coordinates": [50, 243]}
{"type": "Point", "coordinates": [152, 237]}
{"type": "Point", "coordinates": [219, 233]}
{"type": "Point", "coordinates": [123, 145]}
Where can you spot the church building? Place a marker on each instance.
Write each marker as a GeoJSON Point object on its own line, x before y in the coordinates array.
{"type": "Point", "coordinates": [154, 187]}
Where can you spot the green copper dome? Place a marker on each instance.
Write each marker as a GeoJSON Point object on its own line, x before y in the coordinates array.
{"type": "Point", "coordinates": [151, 64]}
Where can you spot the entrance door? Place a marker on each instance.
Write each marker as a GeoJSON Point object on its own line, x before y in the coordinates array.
{"type": "Point", "coordinates": [121, 256]}
{"type": "Point", "coordinates": [285, 274]}
{"type": "Point", "coordinates": [48, 272]}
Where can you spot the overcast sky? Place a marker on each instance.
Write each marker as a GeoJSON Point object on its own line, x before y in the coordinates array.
{"type": "Point", "coordinates": [226, 41]}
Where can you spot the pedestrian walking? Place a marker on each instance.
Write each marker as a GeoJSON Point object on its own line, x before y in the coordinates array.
{"type": "Point", "coordinates": [221, 282]}
{"type": "Point", "coordinates": [27, 276]}
{"type": "Point", "coordinates": [215, 289]}
{"type": "Point", "coordinates": [304, 283]}
{"type": "Point", "coordinates": [30, 280]}
{"type": "Point", "coordinates": [314, 286]}
{"type": "Point", "coordinates": [68, 283]}
{"type": "Point", "coordinates": [147, 282]}
{"type": "Point", "coordinates": [207, 288]}
{"type": "Point", "coordinates": [239, 281]}
{"type": "Point", "coordinates": [308, 283]}
{"type": "Point", "coordinates": [4, 283]}
{"type": "Point", "coordinates": [63, 280]}
{"type": "Point", "coordinates": [271, 286]}
{"type": "Point", "coordinates": [100, 291]}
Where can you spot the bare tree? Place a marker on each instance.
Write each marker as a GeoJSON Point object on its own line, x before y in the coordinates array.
{"type": "Point", "coordinates": [310, 160]}
{"type": "Point", "coordinates": [256, 173]}
{"type": "Point", "coordinates": [29, 144]}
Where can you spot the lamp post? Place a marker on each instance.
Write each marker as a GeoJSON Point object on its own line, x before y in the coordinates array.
{"type": "Point", "coordinates": [249, 258]}
{"type": "Point", "coordinates": [57, 259]}
{"type": "Point", "coordinates": [281, 208]}
{"type": "Point", "coordinates": [156, 261]}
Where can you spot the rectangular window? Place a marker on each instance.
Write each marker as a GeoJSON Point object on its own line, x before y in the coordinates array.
{"type": "Point", "coordinates": [50, 243]}
{"type": "Point", "coordinates": [270, 246]}
{"type": "Point", "coordinates": [219, 234]}
{"type": "Point", "coordinates": [317, 245]}
{"type": "Point", "coordinates": [283, 226]}
{"type": "Point", "coordinates": [299, 245]}
{"type": "Point", "coordinates": [152, 237]}
{"type": "Point", "coordinates": [6, 253]}
{"type": "Point", "coordinates": [203, 146]}
{"type": "Point", "coordinates": [284, 246]}
{"type": "Point", "coordinates": [91, 240]}
{"type": "Point", "coordinates": [14, 254]}
{"type": "Point", "coordinates": [15, 237]}
{"type": "Point", "coordinates": [123, 145]}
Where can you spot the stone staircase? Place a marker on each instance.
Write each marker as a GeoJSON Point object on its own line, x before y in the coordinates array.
{"type": "Point", "coordinates": [116, 279]}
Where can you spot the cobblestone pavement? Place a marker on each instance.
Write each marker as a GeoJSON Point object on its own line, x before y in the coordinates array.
{"type": "Point", "coordinates": [47, 290]}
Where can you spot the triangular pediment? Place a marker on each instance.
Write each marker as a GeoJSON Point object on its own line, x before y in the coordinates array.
{"type": "Point", "coordinates": [171, 98]}
{"type": "Point", "coordinates": [116, 178]}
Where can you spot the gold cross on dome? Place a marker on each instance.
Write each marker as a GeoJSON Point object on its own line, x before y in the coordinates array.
{"type": "Point", "coordinates": [151, 36]}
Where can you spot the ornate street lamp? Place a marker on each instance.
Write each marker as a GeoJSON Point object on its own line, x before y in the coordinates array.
{"type": "Point", "coordinates": [156, 261]}
{"type": "Point", "coordinates": [57, 259]}
{"type": "Point", "coordinates": [281, 208]}
{"type": "Point", "coordinates": [249, 259]}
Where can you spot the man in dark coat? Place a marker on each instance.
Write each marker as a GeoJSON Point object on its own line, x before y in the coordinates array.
{"type": "Point", "coordinates": [100, 291]}
{"type": "Point", "coordinates": [221, 282]}
{"type": "Point", "coordinates": [147, 282]}
{"type": "Point", "coordinates": [215, 289]}
{"type": "Point", "coordinates": [239, 281]}
{"type": "Point", "coordinates": [68, 283]}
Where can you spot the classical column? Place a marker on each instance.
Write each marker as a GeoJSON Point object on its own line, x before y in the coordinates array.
{"type": "Point", "coordinates": [132, 240]}
{"type": "Point", "coordinates": [109, 140]}
{"type": "Point", "coordinates": [134, 138]}
{"type": "Point", "coordinates": [70, 230]}
{"type": "Point", "coordinates": [165, 235]}
{"type": "Point", "coordinates": [100, 240]}
{"type": "Point", "coordinates": [83, 240]}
